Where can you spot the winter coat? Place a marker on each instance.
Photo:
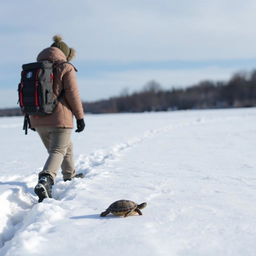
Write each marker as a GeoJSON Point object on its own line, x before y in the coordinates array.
{"type": "Point", "coordinates": [69, 103]}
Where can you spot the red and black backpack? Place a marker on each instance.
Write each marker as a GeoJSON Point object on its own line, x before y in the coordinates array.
{"type": "Point", "coordinates": [35, 90]}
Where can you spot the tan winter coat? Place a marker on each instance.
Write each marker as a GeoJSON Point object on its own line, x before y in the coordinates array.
{"type": "Point", "coordinates": [70, 104]}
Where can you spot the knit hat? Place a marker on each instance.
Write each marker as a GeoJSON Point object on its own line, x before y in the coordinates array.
{"type": "Point", "coordinates": [69, 52]}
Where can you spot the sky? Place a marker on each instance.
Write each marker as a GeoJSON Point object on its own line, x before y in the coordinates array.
{"type": "Point", "coordinates": [122, 45]}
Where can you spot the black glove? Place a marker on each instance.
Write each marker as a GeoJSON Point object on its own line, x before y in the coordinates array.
{"type": "Point", "coordinates": [80, 125]}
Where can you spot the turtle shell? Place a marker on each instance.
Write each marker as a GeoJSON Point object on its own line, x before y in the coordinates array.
{"type": "Point", "coordinates": [121, 207]}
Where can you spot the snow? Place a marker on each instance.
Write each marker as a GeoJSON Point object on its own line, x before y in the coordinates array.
{"type": "Point", "coordinates": [195, 169]}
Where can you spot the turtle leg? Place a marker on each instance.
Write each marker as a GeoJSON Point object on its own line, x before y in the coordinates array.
{"type": "Point", "coordinates": [138, 211]}
{"type": "Point", "coordinates": [103, 214]}
{"type": "Point", "coordinates": [129, 213]}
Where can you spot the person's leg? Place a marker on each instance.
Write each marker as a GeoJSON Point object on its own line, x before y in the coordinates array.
{"type": "Point", "coordinates": [57, 142]}
{"type": "Point", "coordinates": [44, 134]}
{"type": "Point", "coordinates": [68, 165]}
{"type": "Point", "coordinates": [43, 189]}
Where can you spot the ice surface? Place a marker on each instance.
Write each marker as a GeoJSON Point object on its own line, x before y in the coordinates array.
{"type": "Point", "coordinates": [195, 169]}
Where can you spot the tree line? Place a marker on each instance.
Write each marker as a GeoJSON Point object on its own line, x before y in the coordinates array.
{"type": "Point", "coordinates": [238, 91]}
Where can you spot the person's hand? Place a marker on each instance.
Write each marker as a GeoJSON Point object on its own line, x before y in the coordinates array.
{"type": "Point", "coordinates": [80, 125]}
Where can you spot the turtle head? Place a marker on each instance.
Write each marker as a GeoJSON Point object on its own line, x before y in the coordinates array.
{"type": "Point", "coordinates": [143, 205]}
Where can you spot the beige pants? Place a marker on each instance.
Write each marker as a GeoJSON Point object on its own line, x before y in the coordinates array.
{"type": "Point", "coordinates": [59, 146]}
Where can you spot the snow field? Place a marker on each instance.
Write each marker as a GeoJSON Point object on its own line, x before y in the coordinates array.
{"type": "Point", "coordinates": [195, 169]}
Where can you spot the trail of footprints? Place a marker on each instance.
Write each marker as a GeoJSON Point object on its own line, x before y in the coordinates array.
{"type": "Point", "coordinates": [19, 202]}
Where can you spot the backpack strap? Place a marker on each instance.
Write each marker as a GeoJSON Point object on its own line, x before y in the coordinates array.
{"type": "Point", "coordinates": [26, 124]}
{"type": "Point", "coordinates": [72, 66]}
{"type": "Point", "coordinates": [64, 62]}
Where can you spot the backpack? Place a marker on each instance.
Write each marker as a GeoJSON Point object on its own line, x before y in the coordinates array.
{"type": "Point", "coordinates": [35, 90]}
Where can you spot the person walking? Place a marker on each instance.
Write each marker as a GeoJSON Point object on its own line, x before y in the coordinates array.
{"type": "Point", "coordinates": [55, 129]}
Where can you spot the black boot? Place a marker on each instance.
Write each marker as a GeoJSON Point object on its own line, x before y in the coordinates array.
{"type": "Point", "coordinates": [43, 189]}
{"type": "Point", "coordinates": [78, 175]}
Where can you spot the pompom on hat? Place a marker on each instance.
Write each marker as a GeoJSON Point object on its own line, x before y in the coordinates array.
{"type": "Point", "coordinates": [69, 52]}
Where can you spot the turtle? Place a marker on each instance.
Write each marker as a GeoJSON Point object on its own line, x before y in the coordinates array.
{"type": "Point", "coordinates": [124, 208]}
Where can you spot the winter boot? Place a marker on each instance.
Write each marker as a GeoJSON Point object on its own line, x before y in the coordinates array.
{"type": "Point", "coordinates": [43, 189]}
{"type": "Point", "coordinates": [78, 175]}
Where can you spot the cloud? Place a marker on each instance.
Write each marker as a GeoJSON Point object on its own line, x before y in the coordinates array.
{"type": "Point", "coordinates": [134, 30]}
{"type": "Point", "coordinates": [127, 33]}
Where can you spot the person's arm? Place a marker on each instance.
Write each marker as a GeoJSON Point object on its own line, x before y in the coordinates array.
{"type": "Point", "coordinates": [71, 92]}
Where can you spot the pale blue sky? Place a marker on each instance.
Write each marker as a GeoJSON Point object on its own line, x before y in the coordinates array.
{"type": "Point", "coordinates": [125, 44]}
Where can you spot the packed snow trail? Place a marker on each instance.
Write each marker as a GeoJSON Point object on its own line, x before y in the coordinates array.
{"type": "Point", "coordinates": [84, 163]}
{"type": "Point", "coordinates": [195, 169]}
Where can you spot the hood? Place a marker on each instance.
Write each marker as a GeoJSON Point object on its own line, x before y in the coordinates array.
{"type": "Point", "coordinates": [52, 54]}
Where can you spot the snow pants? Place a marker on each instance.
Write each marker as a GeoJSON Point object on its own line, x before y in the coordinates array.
{"type": "Point", "coordinates": [60, 149]}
